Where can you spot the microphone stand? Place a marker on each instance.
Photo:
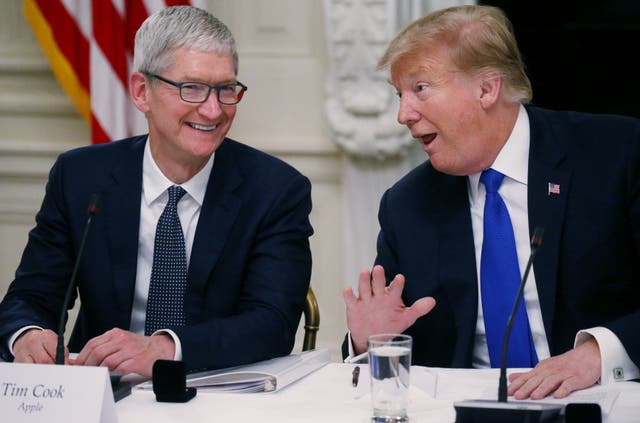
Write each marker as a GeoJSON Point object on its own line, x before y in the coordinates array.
{"type": "Point", "coordinates": [92, 209]}
{"type": "Point", "coordinates": [503, 411]}
{"type": "Point", "coordinates": [536, 240]}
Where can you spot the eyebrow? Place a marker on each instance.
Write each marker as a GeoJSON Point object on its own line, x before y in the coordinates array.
{"type": "Point", "coordinates": [202, 81]}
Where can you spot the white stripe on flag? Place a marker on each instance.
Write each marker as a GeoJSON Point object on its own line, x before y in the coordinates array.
{"type": "Point", "coordinates": [119, 6]}
{"type": "Point", "coordinates": [81, 12]}
{"type": "Point", "coordinates": [108, 96]}
{"type": "Point", "coordinates": [153, 6]}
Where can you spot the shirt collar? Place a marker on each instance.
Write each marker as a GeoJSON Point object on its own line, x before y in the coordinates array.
{"type": "Point", "coordinates": [513, 159]}
{"type": "Point", "coordinates": [154, 183]}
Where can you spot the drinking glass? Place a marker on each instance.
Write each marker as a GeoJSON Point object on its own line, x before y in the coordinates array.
{"type": "Point", "coordinates": [389, 362]}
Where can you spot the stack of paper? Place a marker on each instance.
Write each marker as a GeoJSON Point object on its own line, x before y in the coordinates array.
{"type": "Point", "coordinates": [264, 376]}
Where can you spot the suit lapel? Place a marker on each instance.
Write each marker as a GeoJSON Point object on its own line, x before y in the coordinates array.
{"type": "Point", "coordinates": [457, 267]}
{"type": "Point", "coordinates": [121, 208]}
{"type": "Point", "coordinates": [546, 209]}
{"type": "Point", "coordinates": [219, 211]}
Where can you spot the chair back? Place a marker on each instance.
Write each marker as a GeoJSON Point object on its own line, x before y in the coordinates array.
{"type": "Point", "coordinates": [311, 321]}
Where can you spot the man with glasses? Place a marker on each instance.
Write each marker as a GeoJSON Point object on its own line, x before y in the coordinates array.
{"type": "Point", "coordinates": [200, 249]}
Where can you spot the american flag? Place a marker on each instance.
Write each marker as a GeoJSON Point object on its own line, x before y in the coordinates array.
{"type": "Point", "coordinates": [89, 44]}
{"type": "Point", "coordinates": [553, 188]}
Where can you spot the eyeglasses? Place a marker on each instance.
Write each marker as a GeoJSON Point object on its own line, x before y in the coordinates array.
{"type": "Point", "coordinates": [198, 92]}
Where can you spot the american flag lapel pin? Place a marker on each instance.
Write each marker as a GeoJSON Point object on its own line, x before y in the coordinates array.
{"type": "Point", "coordinates": [553, 189]}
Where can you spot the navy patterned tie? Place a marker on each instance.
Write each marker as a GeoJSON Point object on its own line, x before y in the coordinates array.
{"type": "Point", "coordinates": [165, 304]}
{"type": "Point", "coordinates": [500, 280]}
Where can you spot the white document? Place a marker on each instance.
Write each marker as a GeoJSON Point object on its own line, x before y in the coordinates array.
{"type": "Point", "coordinates": [264, 376]}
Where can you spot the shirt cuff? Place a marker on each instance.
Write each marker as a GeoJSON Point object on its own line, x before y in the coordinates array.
{"type": "Point", "coordinates": [616, 365]}
{"type": "Point", "coordinates": [176, 341]}
{"type": "Point", "coordinates": [352, 358]}
{"type": "Point", "coordinates": [17, 334]}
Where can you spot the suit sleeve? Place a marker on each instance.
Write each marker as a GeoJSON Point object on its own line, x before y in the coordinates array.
{"type": "Point", "coordinates": [626, 327]}
{"type": "Point", "coordinates": [35, 296]}
{"type": "Point", "coordinates": [386, 243]}
{"type": "Point", "coordinates": [273, 290]}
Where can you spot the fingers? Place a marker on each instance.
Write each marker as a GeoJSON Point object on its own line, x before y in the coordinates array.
{"type": "Point", "coordinates": [560, 375]}
{"type": "Point", "coordinates": [396, 286]}
{"type": "Point", "coordinates": [140, 354]}
{"type": "Point", "coordinates": [99, 348]}
{"type": "Point", "coordinates": [349, 297]}
{"type": "Point", "coordinates": [36, 346]}
{"type": "Point", "coordinates": [421, 307]}
{"type": "Point", "coordinates": [127, 352]}
{"type": "Point", "coordinates": [374, 283]}
{"type": "Point", "coordinates": [364, 285]}
{"type": "Point", "coordinates": [378, 280]}
{"type": "Point", "coordinates": [535, 386]}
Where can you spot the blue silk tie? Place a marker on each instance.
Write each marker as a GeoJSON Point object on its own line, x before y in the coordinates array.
{"type": "Point", "coordinates": [165, 304]}
{"type": "Point", "coordinates": [500, 280]}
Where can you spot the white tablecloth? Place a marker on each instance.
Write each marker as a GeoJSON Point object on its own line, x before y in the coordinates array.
{"type": "Point", "coordinates": [328, 396]}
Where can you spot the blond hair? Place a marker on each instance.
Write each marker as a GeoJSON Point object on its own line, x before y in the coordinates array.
{"type": "Point", "coordinates": [479, 39]}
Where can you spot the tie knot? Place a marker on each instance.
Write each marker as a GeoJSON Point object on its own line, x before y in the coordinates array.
{"type": "Point", "coordinates": [175, 194]}
{"type": "Point", "coordinates": [491, 179]}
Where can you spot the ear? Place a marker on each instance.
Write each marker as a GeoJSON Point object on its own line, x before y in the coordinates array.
{"type": "Point", "coordinates": [139, 90]}
{"type": "Point", "coordinates": [490, 88]}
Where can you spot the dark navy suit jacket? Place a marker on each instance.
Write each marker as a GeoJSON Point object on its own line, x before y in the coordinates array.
{"type": "Point", "coordinates": [249, 268]}
{"type": "Point", "coordinates": [587, 268]}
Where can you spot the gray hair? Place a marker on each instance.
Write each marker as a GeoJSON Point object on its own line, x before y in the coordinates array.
{"type": "Point", "coordinates": [176, 27]}
{"type": "Point", "coordinates": [478, 38]}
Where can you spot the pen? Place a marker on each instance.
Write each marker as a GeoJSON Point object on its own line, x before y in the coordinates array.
{"type": "Point", "coordinates": [355, 375]}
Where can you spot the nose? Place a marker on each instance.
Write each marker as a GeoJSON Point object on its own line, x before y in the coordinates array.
{"type": "Point", "coordinates": [211, 108]}
{"type": "Point", "coordinates": [407, 114]}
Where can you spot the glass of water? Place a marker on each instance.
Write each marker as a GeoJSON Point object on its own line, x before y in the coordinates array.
{"type": "Point", "coordinates": [389, 363]}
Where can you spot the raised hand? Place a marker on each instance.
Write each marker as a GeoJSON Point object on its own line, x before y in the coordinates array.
{"type": "Point", "coordinates": [379, 308]}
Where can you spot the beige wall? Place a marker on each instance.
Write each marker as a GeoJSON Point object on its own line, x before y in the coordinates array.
{"type": "Point", "coordinates": [282, 60]}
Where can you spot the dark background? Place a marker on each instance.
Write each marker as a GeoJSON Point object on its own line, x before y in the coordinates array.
{"type": "Point", "coordinates": [580, 55]}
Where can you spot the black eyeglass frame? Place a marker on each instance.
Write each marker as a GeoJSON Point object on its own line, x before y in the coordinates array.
{"type": "Point", "coordinates": [216, 88]}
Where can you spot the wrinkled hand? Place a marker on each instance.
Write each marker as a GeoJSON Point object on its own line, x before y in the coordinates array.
{"type": "Point", "coordinates": [126, 352]}
{"type": "Point", "coordinates": [379, 308]}
{"type": "Point", "coordinates": [576, 369]}
{"type": "Point", "coordinates": [37, 346]}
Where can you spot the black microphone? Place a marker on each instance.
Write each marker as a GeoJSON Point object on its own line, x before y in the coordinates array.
{"type": "Point", "coordinates": [92, 209]}
{"type": "Point", "coordinates": [471, 411]}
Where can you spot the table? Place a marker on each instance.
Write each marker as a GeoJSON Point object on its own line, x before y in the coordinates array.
{"type": "Point", "coordinates": [328, 396]}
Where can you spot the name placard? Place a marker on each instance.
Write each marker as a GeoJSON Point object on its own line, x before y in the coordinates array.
{"type": "Point", "coordinates": [48, 393]}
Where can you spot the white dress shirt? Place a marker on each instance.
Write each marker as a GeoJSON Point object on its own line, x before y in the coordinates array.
{"type": "Point", "coordinates": [512, 162]}
{"type": "Point", "coordinates": [154, 199]}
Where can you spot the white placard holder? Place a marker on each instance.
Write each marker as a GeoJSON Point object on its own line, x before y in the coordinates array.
{"type": "Point", "coordinates": [34, 393]}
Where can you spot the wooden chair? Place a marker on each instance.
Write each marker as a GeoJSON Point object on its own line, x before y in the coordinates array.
{"type": "Point", "coordinates": [311, 321]}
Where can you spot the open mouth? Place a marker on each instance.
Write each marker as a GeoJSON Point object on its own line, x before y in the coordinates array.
{"type": "Point", "coordinates": [202, 127]}
{"type": "Point", "coordinates": [426, 139]}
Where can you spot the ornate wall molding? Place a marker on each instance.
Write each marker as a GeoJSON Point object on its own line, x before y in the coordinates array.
{"type": "Point", "coordinates": [361, 107]}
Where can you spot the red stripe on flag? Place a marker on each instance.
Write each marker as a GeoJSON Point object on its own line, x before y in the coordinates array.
{"type": "Point", "coordinates": [136, 14]}
{"type": "Point", "coordinates": [177, 2]}
{"type": "Point", "coordinates": [98, 135]}
{"type": "Point", "coordinates": [69, 38]}
{"type": "Point", "coordinates": [109, 33]}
